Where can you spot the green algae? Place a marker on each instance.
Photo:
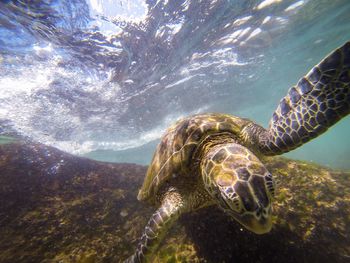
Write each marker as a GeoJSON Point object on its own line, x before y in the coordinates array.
{"type": "Point", "coordinates": [87, 211]}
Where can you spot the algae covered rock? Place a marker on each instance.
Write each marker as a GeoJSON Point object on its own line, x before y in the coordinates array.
{"type": "Point", "coordinates": [311, 220]}
{"type": "Point", "coordinates": [55, 207]}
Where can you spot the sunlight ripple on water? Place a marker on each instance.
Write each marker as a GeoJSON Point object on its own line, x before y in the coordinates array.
{"type": "Point", "coordinates": [87, 76]}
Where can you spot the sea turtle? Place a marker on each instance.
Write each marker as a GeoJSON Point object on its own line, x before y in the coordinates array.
{"type": "Point", "coordinates": [213, 159]}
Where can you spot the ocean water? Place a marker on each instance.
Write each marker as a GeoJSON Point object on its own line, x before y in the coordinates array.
{"type": "Point", "coordinates": [104, 78]}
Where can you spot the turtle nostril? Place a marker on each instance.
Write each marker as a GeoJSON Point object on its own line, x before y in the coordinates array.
{"type": "Point", "coordinates": [264, 212]}
{"type": "Point", "coordinates": [259, 212]}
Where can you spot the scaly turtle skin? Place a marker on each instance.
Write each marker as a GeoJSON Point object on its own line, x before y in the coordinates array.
{"type": "Point", "coordinates": [212, 159]}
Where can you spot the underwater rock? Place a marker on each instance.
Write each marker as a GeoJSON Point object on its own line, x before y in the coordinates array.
{"type": "Point", "coordinates": [56, 207]}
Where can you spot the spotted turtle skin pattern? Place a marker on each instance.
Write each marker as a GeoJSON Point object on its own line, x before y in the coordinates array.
{"type": "Point", "coordinates": [182, 178]}
{"type": "Point", "coordinates": [318, 101]}
{"type": "Point", "coordinates": [173, 156]}
{"type": "Point", "coordinates": [237, 170]}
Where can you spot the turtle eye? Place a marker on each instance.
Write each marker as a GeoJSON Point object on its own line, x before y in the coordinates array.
{"type": "Point", "coordinates": [270, 184]}
{"type": "Point", "coordinates": [219, 196]}
{"type": "Point", "coordinates": [236, 204]}
{"type": "Point", "coordinates": [230, 200]}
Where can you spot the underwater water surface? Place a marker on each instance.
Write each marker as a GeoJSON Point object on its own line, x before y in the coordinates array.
{"type": "Point", "coordinates": [104, 78]}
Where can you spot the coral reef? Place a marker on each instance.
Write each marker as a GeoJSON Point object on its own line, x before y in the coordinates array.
{"type": "Point", "coordinates": [55, 207]}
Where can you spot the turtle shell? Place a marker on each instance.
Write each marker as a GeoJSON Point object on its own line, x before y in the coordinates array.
{"type": "Point", "coordinates": [173, 156]}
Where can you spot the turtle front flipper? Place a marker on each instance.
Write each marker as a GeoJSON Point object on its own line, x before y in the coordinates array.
{"type": "Point", "coordinates": [318, 101]}
{"type": "Point", "coordinates": [171, 208]}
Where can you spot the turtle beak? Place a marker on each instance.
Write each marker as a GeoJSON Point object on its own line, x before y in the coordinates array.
{"type": "Point", "coordinates": [258, 222]}
{"type": "Point", "coordinates": [258, 226]}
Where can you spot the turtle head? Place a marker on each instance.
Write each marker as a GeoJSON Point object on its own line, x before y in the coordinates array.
{"type": "Point", "coordinates": [240, 184]}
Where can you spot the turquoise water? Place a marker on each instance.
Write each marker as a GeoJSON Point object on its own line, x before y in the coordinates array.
{"type": "Point", "coordinates": [288, 59]}
{"type": "Point", "coordinates": [6, 139]}
{"type": "Point", "coordinates": [104, 80]}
